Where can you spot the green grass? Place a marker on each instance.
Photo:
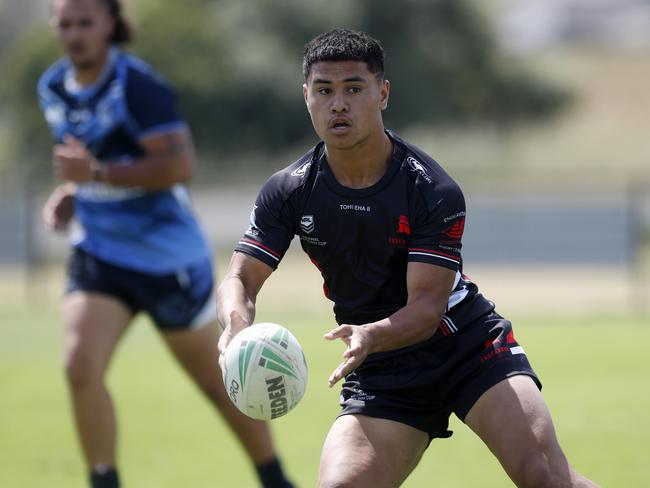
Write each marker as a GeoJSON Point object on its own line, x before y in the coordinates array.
{"type": "Point", "coordinates": [593, 369]}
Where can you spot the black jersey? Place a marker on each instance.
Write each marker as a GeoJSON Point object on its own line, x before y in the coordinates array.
{"type": "Point", "coordinates": [361, 240]}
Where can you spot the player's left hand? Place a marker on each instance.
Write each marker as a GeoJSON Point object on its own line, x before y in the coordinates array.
{"type": "Point", "coordinates": [73, 161]}
{"type": "Point", "coordinates": [359, 342]}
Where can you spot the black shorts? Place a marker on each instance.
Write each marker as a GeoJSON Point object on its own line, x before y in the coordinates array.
{"type": "Point", "coordinates": [422, 385]}
{"type": "Point", "coordinates": [174, 301]}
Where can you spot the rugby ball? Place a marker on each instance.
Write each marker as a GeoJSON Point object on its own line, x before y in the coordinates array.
{"type": "Point", "coordinates": [265, 371]}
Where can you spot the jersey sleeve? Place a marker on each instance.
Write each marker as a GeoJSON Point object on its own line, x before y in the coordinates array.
{"type": "Point", "coordinates": [51, 105]}
{"type": "Point", "coordinates": [270, 230]}
{"type": "Point", "coordinates": [152, 104]}
{"type": "Point", "coordinates": [437, 234]}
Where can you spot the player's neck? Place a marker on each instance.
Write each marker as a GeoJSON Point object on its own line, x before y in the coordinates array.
{"type": "Point", "coordinates": [364, 164]}
{"type": "Point", "coordinates": [89, 73]}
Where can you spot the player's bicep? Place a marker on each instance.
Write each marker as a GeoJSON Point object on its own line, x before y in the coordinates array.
{"type": "Point", "coordinates": [437, 234]}
{"type": "Point", "coordinates": [174, 148]}
{"type": "Point", "coordinates": [429, 282]}
{"type": "Point", "coordinates": [177, 143]}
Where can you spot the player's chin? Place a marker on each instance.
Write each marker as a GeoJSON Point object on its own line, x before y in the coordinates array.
{"type": "Point", "coordinates": [340, 141]}
{"type": "Point", "coordinates": [81, 59]}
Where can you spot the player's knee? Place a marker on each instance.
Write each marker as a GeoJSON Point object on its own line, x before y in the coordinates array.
{"type": "Point", "coordinates": [540, 472]}
{"type": "Point", "coordinates": [336, 483]}
{"type": "Point", "coordinates": [80, 371]}
{"type": "Point", "coordinates": [331, 476]}
{"type": "Point", "coordinates": [212, 386]}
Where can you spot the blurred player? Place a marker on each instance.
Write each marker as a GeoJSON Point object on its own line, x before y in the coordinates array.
{"type": "Point", "coordinates": [124, 153]}
{"type": "Point", "coordinates": [383, 223]}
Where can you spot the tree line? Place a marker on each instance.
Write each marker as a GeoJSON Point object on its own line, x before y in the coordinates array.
{"type": "Point", "coordinates": [237, 69]}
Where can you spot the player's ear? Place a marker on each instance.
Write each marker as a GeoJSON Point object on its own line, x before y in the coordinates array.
{"type": "Point", "coordinates": [54, 23]}
{"type": "Point", "coordinates": [304, 94]}
{"type": "Point", "coordinates": [384, 94]}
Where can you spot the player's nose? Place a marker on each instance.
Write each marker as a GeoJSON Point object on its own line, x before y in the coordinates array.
{"type": "Point", "coordinates": [339, 104]}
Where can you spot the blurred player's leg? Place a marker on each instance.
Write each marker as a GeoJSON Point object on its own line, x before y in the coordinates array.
{"type": "Point", "coordinates": [196, 350]}
{"type": "Point", "coordinates": [92, 325]}
{"type": "Point", "coordinates": [514, 422]}
{"type": "Point", "coordinates": [369, 452]}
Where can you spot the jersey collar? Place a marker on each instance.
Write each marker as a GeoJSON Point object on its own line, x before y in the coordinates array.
{"type": "Point", "coordinates": [86, 92]}
{"type": "Point", "coordinates": [330, 179]}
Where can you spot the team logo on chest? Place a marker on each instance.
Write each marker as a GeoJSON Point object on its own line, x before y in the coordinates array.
{"type": "Point", "coordinates": [307, 224]}
{"type": "Point", "coordinates": [402, 233]}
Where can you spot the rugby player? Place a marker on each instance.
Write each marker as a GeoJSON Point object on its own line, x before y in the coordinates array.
{"type": "Point", "coordinates": [383, 222]}
{"type": "Point", "coordinates": [124, 154]}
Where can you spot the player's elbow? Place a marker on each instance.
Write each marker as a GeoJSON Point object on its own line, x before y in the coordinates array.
{"type": "Point", "coordinates": [183, 170]}
{"type": "Point", "coordinates": [176, 170]}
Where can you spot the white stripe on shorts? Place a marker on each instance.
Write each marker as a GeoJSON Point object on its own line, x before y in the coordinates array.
{"type": "Point", "coordinates": [207, 314]}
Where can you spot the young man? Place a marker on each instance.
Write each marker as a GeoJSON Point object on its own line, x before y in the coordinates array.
{"type": "Point", "coordinates": [124, 153]}
{"type": "Point", "coordinates": [383, 223]}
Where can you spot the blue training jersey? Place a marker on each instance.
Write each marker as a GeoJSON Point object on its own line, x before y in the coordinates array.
{"type": "Point", "coordinates": [150, 231]}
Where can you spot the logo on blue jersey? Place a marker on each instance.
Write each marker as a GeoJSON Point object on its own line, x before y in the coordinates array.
{"type": "Point", "coordinates": [55, 114]}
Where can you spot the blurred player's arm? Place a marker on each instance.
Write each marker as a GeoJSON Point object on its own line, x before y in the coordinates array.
{"type": "Point", "coordinates": [428, 289]}
{"type": "Point", "coordinates": [59, 208]}
{"type": "Point", "coordinates": [237, 294]}
{"type": "Point", "coordinates": [168, 159]}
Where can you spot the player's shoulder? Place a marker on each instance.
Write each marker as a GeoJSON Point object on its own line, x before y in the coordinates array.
{"type": "Point", "coordinates": [140, 74]}
{"type": "Point", "coordinates": [287, 181]}
{"type": "Point", "coordinates": [53, 76]}
{"type": "Point", "coordinates": [426, 174]}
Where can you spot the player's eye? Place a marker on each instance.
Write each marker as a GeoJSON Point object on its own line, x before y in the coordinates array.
{"type": "Point", "coordinates": [86, 23]}
{"type": "Point", "coordinates": [354, 89]}
{"type": "Point", "coordinates": [324, 91]}
{"type": "Point", "coordinates": [64, 25]}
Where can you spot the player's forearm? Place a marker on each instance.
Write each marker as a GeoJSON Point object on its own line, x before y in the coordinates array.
{"type": "Point", "coordinates": [415, 322]}
{"type": "Point", "coordinates": [68, 189]}
{"type": "Point", "coordinates": [233, 297]}
{"type": "Point", "coordinates": [151, 172]}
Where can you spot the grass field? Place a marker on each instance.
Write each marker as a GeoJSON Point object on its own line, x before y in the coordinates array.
{"type": "Point", "coordinates": [593, 368]}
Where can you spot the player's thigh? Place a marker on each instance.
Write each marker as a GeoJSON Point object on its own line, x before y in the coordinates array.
{"type": "Point", "coordinates": [92, 325]}
{"type": "Point", "coordinates": [362, 451]}
{"type": "Point", "coordinates": [513, 420]}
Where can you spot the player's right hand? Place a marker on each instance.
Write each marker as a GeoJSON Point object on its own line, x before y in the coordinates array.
{"type": "Point", "coordinates": [235, 325]}
{"type": "Point", "coordinates": [59, 208]}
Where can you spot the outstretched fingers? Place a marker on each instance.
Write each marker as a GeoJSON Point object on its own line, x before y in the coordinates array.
{"type": "Point", "coordinates": [357, 349]}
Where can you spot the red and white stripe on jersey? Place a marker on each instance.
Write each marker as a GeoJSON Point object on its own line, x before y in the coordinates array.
{"type": "Point", "coordinates": [447, 326]}
{"type": "Point", "coordinates": [459, 293]}
{"type": "Point", "coordinates": [417, 251]}
{"type": "Point", "coordinates": [261, 248]}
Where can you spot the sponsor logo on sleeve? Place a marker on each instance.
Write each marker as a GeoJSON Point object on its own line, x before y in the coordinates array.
{"type": "Point", "coordinates": [253, 230]}
{"type": "Point", "coordinates": [300, 171]}
{"type": "Point", "coordinates": [455, 232]}
{"type": "Point", "coordinates": [417, 166]}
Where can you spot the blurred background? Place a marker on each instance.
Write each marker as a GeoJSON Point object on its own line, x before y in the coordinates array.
{"type": "Point", "coordinates": [540, 109]}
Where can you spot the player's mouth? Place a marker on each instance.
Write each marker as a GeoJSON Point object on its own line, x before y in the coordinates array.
{"type": "Point", "coordinates": [340, 124]}
{"type": "Point", "coordinates": [76, 50]}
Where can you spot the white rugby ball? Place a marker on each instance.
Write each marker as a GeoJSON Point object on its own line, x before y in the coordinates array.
{"type": "Point", "coordinates": [265, 371]}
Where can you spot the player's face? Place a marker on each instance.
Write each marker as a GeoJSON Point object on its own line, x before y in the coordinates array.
{"type": "Point", "coordinates": [345, 101]}
{"type": "Point", "coordinates": [84, 28]}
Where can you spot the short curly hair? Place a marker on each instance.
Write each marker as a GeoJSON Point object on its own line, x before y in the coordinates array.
{"type": "Point", "coordinates": [344, 45]}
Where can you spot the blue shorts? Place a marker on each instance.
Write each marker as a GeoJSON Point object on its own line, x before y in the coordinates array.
{"type": "Point", "coordinates": [422, 385]}
{"type": "Point", "coordinates": [176, 301]}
